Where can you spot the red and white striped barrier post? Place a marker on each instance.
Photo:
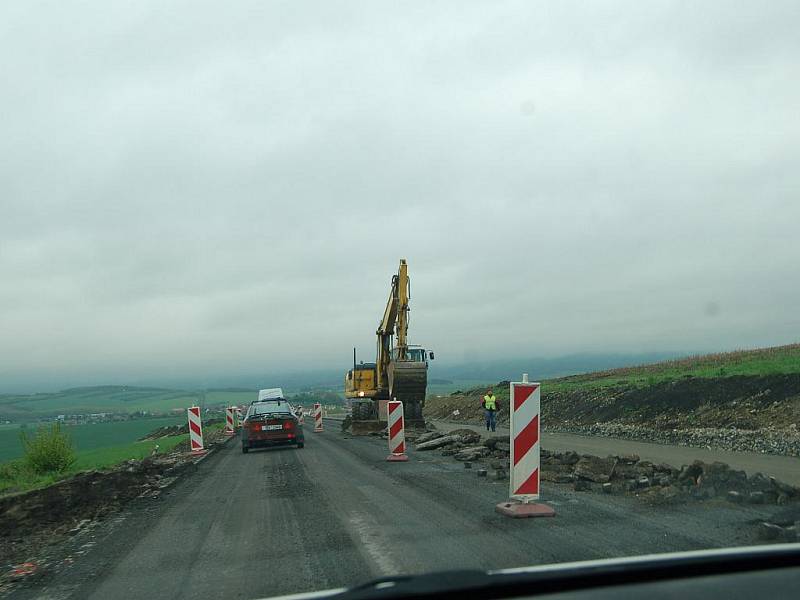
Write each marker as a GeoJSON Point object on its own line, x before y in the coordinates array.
{"type": "Point", "coordinates": [524, 406]}
{"type": "Point", "coordinates": [397, 433]}
{"type": "Point", "coordinates": [317, 417]}
{"type": "Point", "coordinates": [229, 426]}
{"type": "Point", "coordinates": [195, 430]}
{"type": "Point", "coordinates": [301, 415]}
{"type": "Point", "coordinates": [239, 417]}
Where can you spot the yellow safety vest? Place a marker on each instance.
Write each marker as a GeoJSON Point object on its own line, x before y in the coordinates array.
{"type": "Point", "coordinates": [489, 403]}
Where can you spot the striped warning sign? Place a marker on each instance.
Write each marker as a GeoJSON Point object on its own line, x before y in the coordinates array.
{"type": "Point", "coordinates": [317, 417]}
{"type": "Point", "coordinates": [229, 423]}
{"type": "Point", "coordinates": [397, 433]}
{"type": "Point", "coordinates": [525, 409]}
{"type": "Point", "coordinates": [195, 429]}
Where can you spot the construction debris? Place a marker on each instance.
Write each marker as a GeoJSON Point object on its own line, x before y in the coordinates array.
{"type": "Point", "coordinates": [623, 474]}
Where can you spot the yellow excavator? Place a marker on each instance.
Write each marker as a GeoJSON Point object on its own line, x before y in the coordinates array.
{"type": "Point", "coordinates": [399, 372]}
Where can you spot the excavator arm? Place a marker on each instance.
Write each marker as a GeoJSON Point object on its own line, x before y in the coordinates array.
{"type": "Point", "coordinates": [395, 320]}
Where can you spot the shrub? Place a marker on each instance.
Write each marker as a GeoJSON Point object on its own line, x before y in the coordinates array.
{"type": "Point", "coordinates": [9, 470]}
{"type": "Point", "coordinates": [49, 451]}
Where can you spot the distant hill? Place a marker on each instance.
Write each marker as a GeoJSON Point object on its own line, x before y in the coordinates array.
{"type": "Point", "coordinates": [578, 370]}
{"type": "Point", "coordinates": [542, 368]}
{"type": "Point", "coordinates": [99, 399]}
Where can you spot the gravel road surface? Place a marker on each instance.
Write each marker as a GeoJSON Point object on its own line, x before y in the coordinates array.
{"type": "Point", "coordinates": [335, 513]}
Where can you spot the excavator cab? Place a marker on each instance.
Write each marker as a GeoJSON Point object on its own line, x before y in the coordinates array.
{"type": "Point", "coordinates": [414, 354]}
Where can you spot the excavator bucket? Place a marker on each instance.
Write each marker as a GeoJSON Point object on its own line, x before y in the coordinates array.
{"type": "Point", "coordinates": [407, 383]}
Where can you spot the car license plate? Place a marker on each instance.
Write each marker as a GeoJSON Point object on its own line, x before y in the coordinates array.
{"type": "Point", "coordinates": [271, 427]}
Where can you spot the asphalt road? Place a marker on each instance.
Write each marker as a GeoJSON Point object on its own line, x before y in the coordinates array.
{"type": "Point", "coordinates": [785, 468]}
{"type": "Point", "coordinates": [336, 513]}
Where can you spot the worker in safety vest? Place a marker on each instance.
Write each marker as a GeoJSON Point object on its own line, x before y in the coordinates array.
{"type": "Point", "coordinates": [490, 408]}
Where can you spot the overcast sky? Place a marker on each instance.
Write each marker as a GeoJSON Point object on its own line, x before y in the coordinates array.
{"type": "Point", "coordinates": [221, 188]}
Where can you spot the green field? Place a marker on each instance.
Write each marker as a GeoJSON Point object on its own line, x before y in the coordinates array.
{"type": "Point", "coordinates": [88, 437]}
{"type": "Point", "coordinates": [115, 399]}
{"type": "Point", "coordinates": [14, 477]}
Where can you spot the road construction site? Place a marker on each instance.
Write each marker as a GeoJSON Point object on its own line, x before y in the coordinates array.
{"type": "Point", "coordinates": [336, 513]}
{"type": "Point", "coordinates": [362, 498]}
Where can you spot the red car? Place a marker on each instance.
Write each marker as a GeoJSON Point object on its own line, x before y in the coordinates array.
{"type": "Point", "coordinates": [271, 423]}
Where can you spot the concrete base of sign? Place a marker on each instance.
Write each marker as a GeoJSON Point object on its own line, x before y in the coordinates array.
{"type": "Point", "coordinates": [230, 432]}
{"type": "Point", "coordinates": [199, 452]}
{"type": "Point", "coordinates": [397, 458]}
{"type": "Point", "coordinates": [320, 430]}
{"type": "Point", "coordinates": [523, 510]}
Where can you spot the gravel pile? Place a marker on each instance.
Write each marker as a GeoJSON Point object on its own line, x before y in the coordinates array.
{"type": "Point", "coordinates": [765, 441]}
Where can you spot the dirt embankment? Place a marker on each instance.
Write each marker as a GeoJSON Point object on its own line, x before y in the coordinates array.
{"type": "Point", "coordinates": [746, 413]}
{"type": "Point", "coordinates": [31, 521]}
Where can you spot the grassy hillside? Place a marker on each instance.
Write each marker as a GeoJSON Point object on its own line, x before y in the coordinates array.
{"type": "Point", "coordinates": [778, 360]}
{"type": "Point", "coordinates": [117, 399]}
{"type": "Point", "coordinates": [752, 390]}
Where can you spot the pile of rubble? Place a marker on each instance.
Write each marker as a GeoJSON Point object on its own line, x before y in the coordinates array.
{"type": "Point", "coordinates": [617, 474]}
{"type": "Point", "coordinates": [700, 480]}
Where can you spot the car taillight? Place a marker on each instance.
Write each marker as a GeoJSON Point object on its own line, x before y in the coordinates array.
{"type": "Point", "coordinates": [290, 435]}
{"type": "Point", "coordinates": [288, 424]}
{"type": "Point", "coordinates": [254, 426]}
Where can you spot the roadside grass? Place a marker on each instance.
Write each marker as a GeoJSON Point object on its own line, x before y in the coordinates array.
{"type": "Point", "coordinates": [88, 436]}
{"type": "Point", "coordinates": [14, 477]}
{"type": "Point", "coordinates": [102, 458]}
{"type": "Point", "coordinates": [780, 360]}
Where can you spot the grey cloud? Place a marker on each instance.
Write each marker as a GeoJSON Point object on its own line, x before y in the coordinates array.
{"type": "Point", "coordinates": [187, 188]}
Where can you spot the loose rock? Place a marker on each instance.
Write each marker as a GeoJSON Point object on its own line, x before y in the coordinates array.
{"type": "Point", "coordinates": [595, 468]}
{"type": "Point", "coordinates": [466, 436]}
{"type": "Point", "coordinates": [581, 485]}
{"type": "Point", "coordinates": [427, 437]}
{"type": "Point", "coordinates": [769, 531]}
{"type": "Point", "coordinates": [437, 443]}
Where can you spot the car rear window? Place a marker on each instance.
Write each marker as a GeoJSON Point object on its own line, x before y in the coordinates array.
{"type": "Point", "coordinates": [263, 408]}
